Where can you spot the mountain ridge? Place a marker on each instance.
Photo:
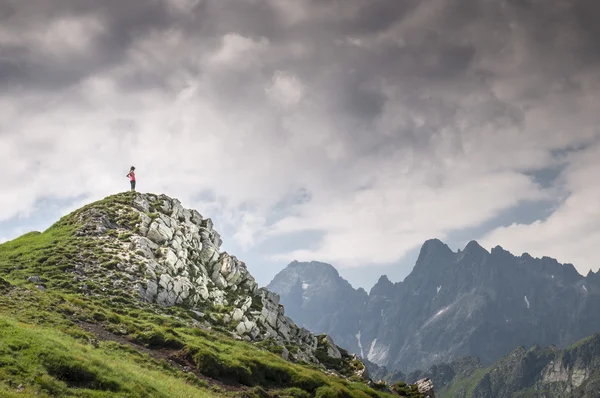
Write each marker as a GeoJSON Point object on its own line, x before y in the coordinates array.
{"type": "Point", "coordinates": [468, 295]}
{"type": "Point", "coordinates": [573, 371]}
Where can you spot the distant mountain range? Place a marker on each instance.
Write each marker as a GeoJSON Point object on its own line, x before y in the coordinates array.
{"type": "Point", "coordinates": [470, 303]}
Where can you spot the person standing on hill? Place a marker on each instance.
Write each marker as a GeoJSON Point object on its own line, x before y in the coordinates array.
{"type": "Point", "coordinates": [131, 176]}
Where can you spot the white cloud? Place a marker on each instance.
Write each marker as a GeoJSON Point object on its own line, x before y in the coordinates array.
{"type": "Point", "coordinates": [380, 224]}
{"type": "Point", "coordinates": [571, 233]}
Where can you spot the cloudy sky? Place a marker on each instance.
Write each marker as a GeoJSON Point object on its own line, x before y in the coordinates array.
{"type": "Point", "coordinates": [342, 131]}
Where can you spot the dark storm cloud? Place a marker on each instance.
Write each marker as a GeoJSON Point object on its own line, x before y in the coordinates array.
{"type": "Point", "coordinates": [442, 50]}
{"type": "Point", "coordinates": [31, 65]}
{"type": "Point", "coordinates": [350, 79]}
{"type": "Point", "coordinates": [376, 16]}
{"type": "Point", "coordinates": [378, 98]}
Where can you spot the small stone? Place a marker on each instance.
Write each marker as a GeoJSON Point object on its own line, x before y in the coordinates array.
{"type": "Point", "coordinates": [34, 279]}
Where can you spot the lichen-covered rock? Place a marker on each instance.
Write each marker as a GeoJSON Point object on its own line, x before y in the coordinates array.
{"type": "Point", "coordinates": [245, 327]}
{"type": "Point", "coordinates": [237, 315]}
{"type": "Point", "coordinates": [425, 387]}
{"type": "Point", "coordinates": [332, 349]}
{"type": "Point", "coordinates": [361, 371]}
{"type": "Point", "coordinates": [159, 232]}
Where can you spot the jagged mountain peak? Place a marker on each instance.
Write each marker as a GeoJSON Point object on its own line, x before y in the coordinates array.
{"type": "Point", "coordinates": [301, 276]}
{"type": "Point", "coordinates": [499, 251]}
{"type": "Point", "coordinates": [382, 287]}
{"type": "Point", "coordinates": [315, 266]}
{"type": "Point", "coordinates": [384, 280]}
{"type": "Point", "coordinates": [451, 303]}
{"type": "Point", "coordinates": [435, 245]}
{"type": "Point", "coordinates": [474, 246]}
{"type": "Point", "coordinates": [312, 289]}
{"type": "Point", "coordinates": [434, 253]}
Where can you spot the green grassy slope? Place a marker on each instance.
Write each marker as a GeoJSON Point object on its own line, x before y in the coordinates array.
{"type": "Point", "coordinates": [61, 336]}
{"type": "Point", "coordinates": [463, 386]}
{"type": "Point", "coordinates": [537, 372]}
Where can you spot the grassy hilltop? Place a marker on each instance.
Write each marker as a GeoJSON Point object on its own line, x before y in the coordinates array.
{"type": "Point", "coordinates": [67, 335]}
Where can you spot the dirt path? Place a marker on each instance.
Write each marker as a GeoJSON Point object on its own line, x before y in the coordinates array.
{"type": "Point", "coordinates": [176, 358]}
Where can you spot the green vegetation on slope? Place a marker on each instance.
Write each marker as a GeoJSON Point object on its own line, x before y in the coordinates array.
{"type": "Point", "coordinates": [405, 390]}
{"type": "Point", "coordinates": [44, 348]}
{"type": "Point", "coordinates": [50, 363]}
{"type": "Point", "coordinates": [538, 371]}
{"type": "Point", "coordinates": [463, 387]}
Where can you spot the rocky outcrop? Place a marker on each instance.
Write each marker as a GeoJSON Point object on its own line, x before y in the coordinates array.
{"type": "Point", "coordinates": [425, 387]}
{"type": "Point", "coordinates": [546, 372]}
{"type": "Point", "coordinates": [575, 370]}
{"type": "Point", "coordinates": [171, 256]}
{"type": "Point", "coordinates": [316, 297]}
{"type": "Point", "coordinates": [471, 302]}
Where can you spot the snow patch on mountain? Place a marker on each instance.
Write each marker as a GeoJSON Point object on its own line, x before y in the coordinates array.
{"type": "Point", "coordinates": [436, 316]}
{"type": "Point", "coordinates": [377, 353]}
{"type": "Point", "coordinates": [362, 354]}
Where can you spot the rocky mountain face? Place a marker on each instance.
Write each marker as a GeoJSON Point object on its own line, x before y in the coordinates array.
{"type": "Point", "coordinates": [453, 304]}
{"type": "Point", "coordinates": [545, 372]}
{"type": "Point", "coordinates": [162, 253]}
{"type": "Point", "coordinates": [312, 290]}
